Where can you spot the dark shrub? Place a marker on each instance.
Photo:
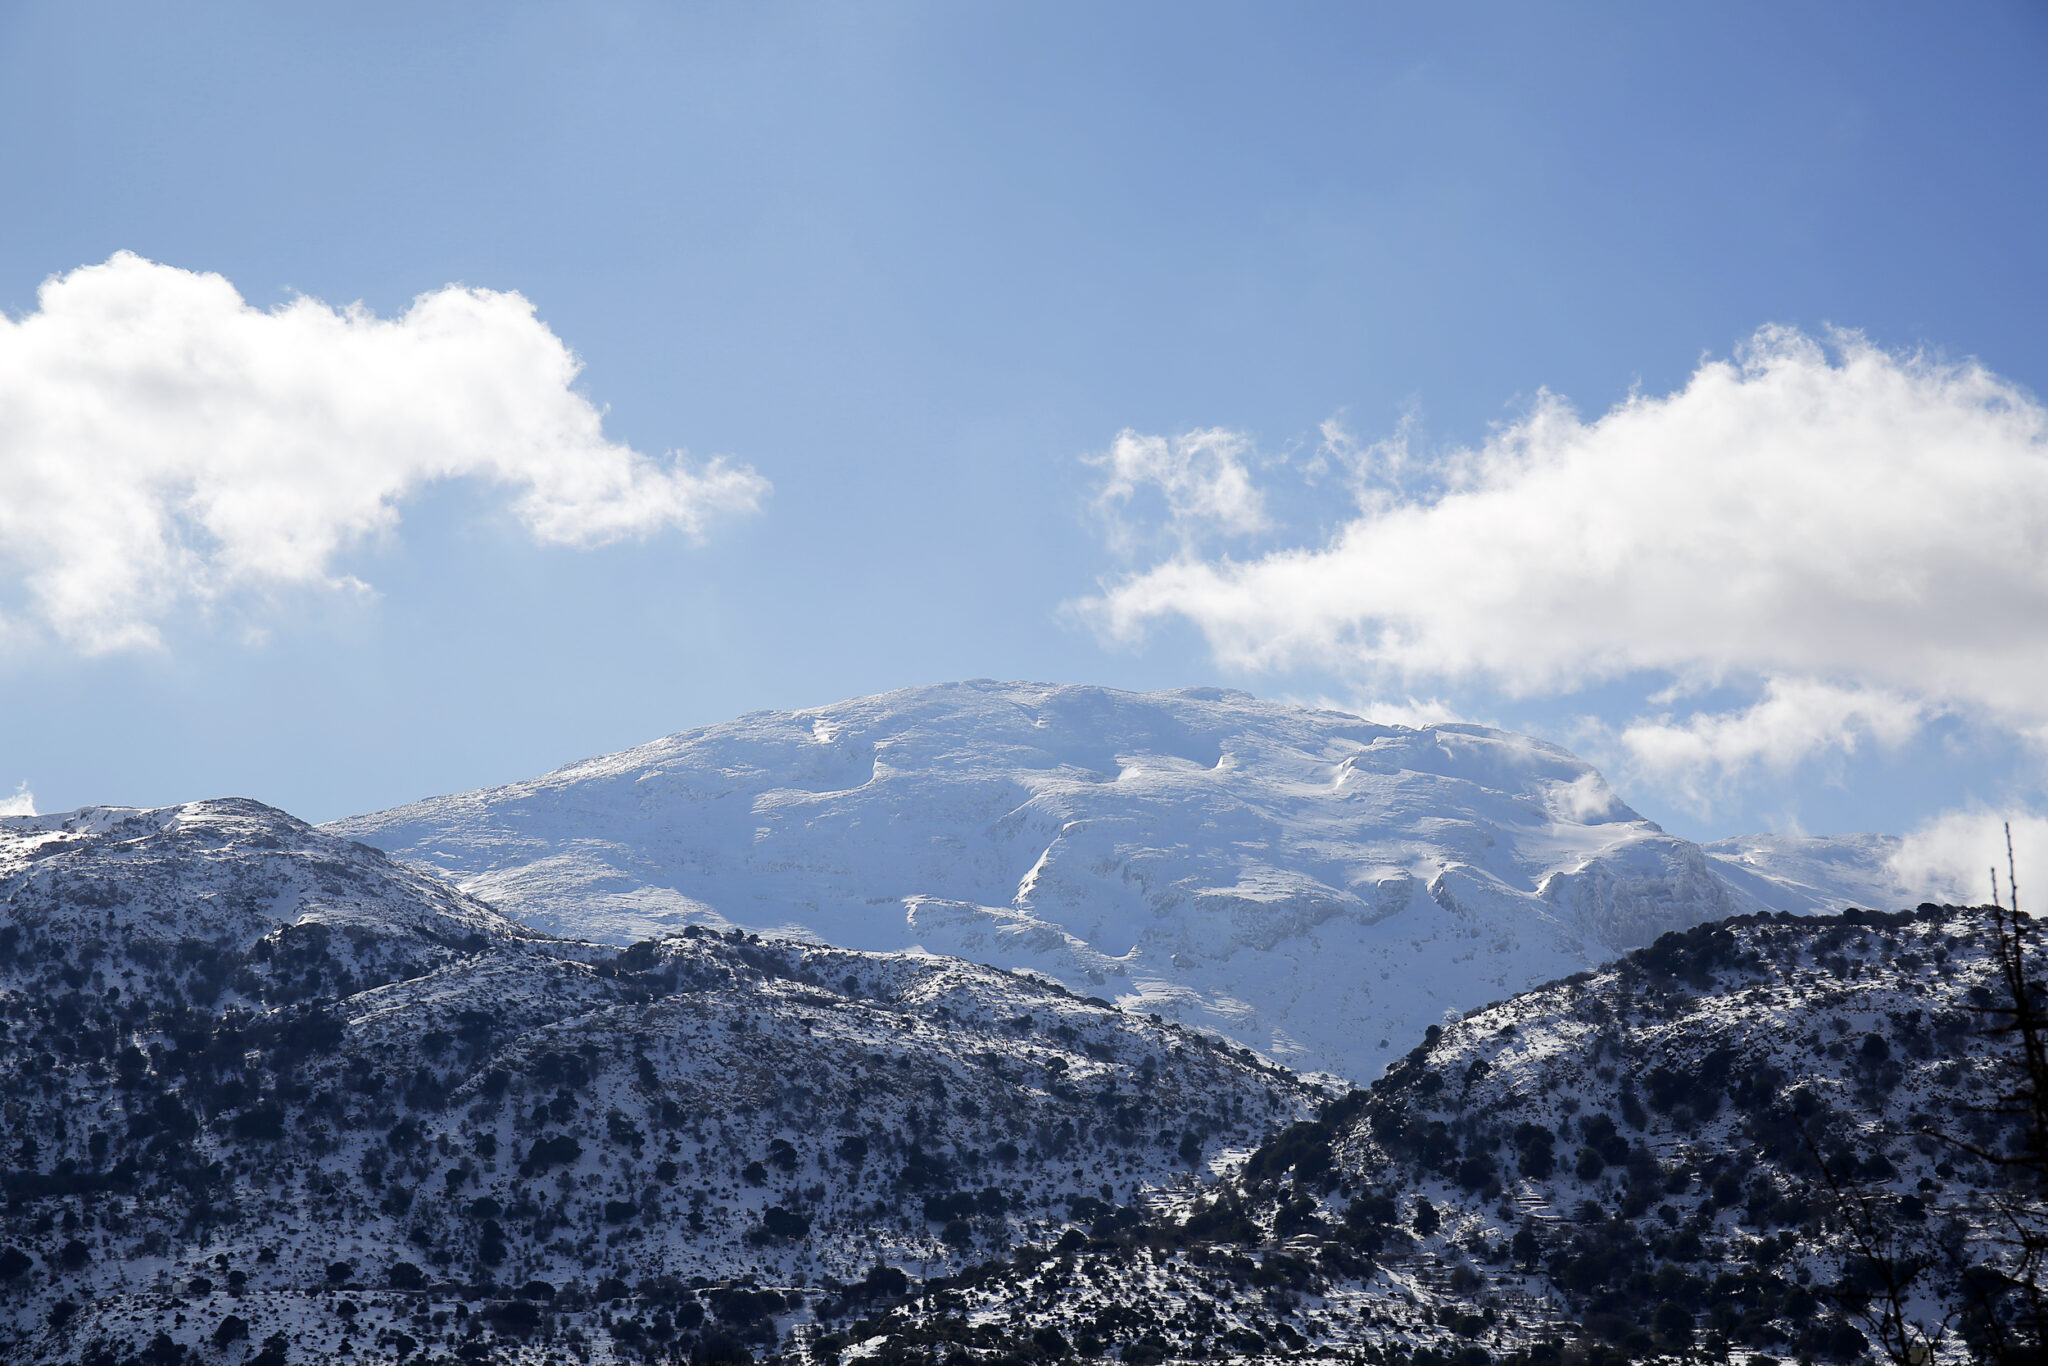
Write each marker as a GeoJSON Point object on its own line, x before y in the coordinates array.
{"type": "Point", "coordinates": [516, 1315]}
{"type": "Point", "coordinates": [1149, 1350]}
{"type": "Point", "coordinates": [264, 1123]}
{"type": "Point", "coordinates": [783, 1224]}
{"type": "Point", "coordinates": [558, 1150]}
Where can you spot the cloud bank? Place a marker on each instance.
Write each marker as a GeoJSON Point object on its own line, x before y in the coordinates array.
{"type": "Point", "coordinates": [1858, 536]}
{"type": "Point", "coordinates": [1954, 853]}
{"type": "Point", "coordinates": [163, 442]}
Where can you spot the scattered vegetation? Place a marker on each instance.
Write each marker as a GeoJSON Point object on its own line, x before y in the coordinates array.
{"type": "Point", "coordinates": [271, 1099]}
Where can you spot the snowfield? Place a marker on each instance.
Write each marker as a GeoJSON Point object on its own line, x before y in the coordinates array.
{"type": "Point", "coordinates": [1306, 882]}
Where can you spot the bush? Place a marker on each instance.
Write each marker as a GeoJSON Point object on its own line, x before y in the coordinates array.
{"type": "Point", "coordinates": [1149, 1350]}
{"type": "Point", "coordinates": [264, 1123]}
{"type": "Point", "coordinates": [720, 1348]}
{"type": "Point", "coordinates": [783, 1224]}
{"type": "Point", "coordinates": [516, 1315]}
{"type": "Point", "coordinates": [881, 1283]}
{"type": "Point", "coordinates": [556, 1151]}
{"type": "Point", "coordinates": [942, 1208]}
{"type": "Point", "coordinates": [735, 1304]}
{"type": "Point", "coordinates": [490, 1243]}
{"type": "Point", "coordinates": [1052, 1342]}
{"type": "Point", "coordinates": [1673, 1323]}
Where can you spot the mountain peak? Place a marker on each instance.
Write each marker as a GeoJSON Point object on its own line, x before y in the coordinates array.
{"type": "Point", "coordinates": [1305, 881]}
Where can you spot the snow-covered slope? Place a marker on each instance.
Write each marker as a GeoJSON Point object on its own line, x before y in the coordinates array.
{"type": "Point", "coordinates": [252, 1072]}
{"type": "Point", "coordinates": [1304, 881]}
{"type": "Point", "coordinates": [164, 898]}
{"type": "Point", "coordinates": [1816, 874]}
{"type": "Point", "coordinates": [1693, 1152]}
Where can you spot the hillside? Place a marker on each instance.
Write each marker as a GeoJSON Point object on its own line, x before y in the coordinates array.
{"type": "Point", "coordinates": [272, 1097]}
{"type": "Point", "coordinates": [1695, 1148]}
{"type": "Point", "coordinates": [158, 897]}
{"type": "Point", "coordinates": [264, 1082]}
{"type": "Point", "coordinates": [1306, 882]}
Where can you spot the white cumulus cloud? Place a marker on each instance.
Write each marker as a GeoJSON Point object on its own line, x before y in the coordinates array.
{"type": "Point", "coordinates": [21, 802]}
{"type": "Point", "coordinates": [1794, 720]}
{"type": "Point", "coordinates": [1858, 536]}
{"type": "Point", "coordinates": [162, 441]}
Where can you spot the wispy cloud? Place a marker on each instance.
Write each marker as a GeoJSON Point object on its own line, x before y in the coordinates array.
{"type": "Point", "coordinates": [21, 803]}
{"type": "Point", "coordinates": [1856, 536]}
{"type": "Point", "coordinates": [1201, 484]}
{"type": "Point", "coordinates": [162, 441]}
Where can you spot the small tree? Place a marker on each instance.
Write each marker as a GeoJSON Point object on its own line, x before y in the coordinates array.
{"type": "Point", "coordinates": [2006, 1308]}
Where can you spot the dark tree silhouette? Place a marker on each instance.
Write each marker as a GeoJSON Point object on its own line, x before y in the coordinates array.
{"type": "Point", "coordinates": [2006, 1306]}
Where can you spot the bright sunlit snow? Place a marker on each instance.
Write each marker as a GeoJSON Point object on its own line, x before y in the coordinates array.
{"type": "Point", "coordinates": [1307, 882]}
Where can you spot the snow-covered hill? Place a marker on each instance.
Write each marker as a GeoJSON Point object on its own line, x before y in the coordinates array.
{"type": "Point", "coordinates": [161, 900]}
{"type": "Point", "coordinates": [1772, 1135]}
{"type": "Point", "coordinates": [253, 1073]}
{"type": "Point", "coordinates": [1307, 882]}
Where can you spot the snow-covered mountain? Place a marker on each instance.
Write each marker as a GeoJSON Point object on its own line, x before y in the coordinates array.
{"type": "Point", "coordinates": [1811, 874]}
{"type": "Point", "coordinates": [272, 1097]}
{"type": "Point", "coordinates": [1305, 881]}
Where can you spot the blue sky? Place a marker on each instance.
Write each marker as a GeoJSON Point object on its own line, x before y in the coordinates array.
{"type": "Point", "coordinates": [918, 267]}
